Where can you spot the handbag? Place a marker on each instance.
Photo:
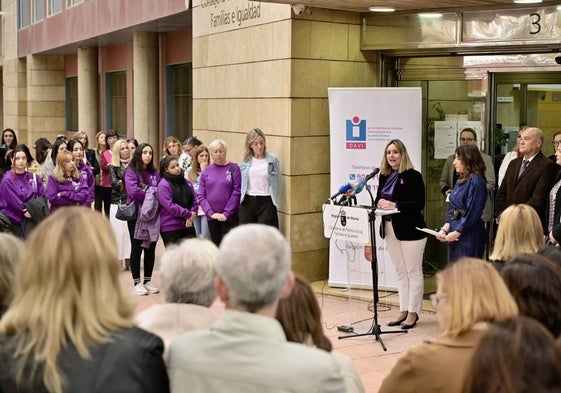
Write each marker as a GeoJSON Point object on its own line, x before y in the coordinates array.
{"type": "Point", "coordinates": [126, 212]}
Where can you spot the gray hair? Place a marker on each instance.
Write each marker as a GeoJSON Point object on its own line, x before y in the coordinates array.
{"type": "Point", "coordinates": [217, 143]}
{"type": "Point", "coordinates": [254, 263]}
{"type": "Point", "coordinates": [188, 272]}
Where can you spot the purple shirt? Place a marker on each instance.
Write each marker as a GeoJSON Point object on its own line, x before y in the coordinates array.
{"type": "Point", "coordinates": [172, 215]}
{"type": "Point", "coordinates": [70, 193]}
{"type": "Point", "coordinates": [220, 189]}
{"type": "Point", "coordinates": [16, 189]}
{"type": "Point", "coordinates": [132, 184]}
{"type": "Point", "coordinates": [87, 173]}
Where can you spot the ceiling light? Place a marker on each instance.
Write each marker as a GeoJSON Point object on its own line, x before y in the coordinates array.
{"type": "Point", "coordinates": [527, 1]}
{"type": "Point", "coordinates": [430, 15]}
{"type": "Point", "coordinates": [382, 9]}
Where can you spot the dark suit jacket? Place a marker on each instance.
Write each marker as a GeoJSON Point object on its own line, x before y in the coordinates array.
{"type": "Point", "coordinates": [532, 188]}
{"type": "Point", "coordinates": [409, 195]}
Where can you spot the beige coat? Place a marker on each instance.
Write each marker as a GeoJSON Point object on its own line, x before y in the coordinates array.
{"type": "Point", "coordinates": [434, 367]}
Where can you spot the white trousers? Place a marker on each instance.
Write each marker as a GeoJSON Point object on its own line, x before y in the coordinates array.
{"type": "Point", "coordinates": [407, 258]}
{"type": "Point", "coordinates": [121, 231]}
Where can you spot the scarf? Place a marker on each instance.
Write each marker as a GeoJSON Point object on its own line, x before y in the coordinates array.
{"type": "Point", "coordinates": [125, 162]}
{"type": "Point", "coordinates": [180, 191]}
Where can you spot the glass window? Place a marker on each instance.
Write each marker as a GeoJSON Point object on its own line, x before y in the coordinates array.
{"type": "Point", "coordinates": [117, 101]}
{"type": "Point", "coordinates": [70, 3]}
{"type": "Point", "coordinates": [72, 103]}
{"type": "Point", "coordinates": [38, 10]}
{"type": "Point", "coordinates": [23, 13]}
{"type": "Point", "coordinates": [55, 6]}
{"type": "Point", "coordinates": [180, 99]}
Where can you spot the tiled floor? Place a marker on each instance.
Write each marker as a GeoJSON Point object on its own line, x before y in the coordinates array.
{"type": "Point", "coordinates": [354, 309]}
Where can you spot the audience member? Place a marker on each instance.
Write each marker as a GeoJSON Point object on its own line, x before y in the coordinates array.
{"type": "Point", "coordinates": [450, 175]}
{"type": "Point", "coordinates": [187, 273]}
{"type": "Point", "coordinates": [50, 163]}
{"type": "Point", "coordinates": [42, 152]}
{"type": "Point", "coordinates": [19, 187]}
{"type": "Point", "coordinates": [11, 249]}
{"type": "Point", "coordinates": [119, 161]}
{"type": "Point", "coordinates": [133, 144]}
{"type": "Point", "coordinates": [464, 230]}
{"type": "Point", "coordinates": [470, 294]}
{"type": "Point", "coordinates": [65, 186]}
{"type": "Point", "coordinates": [401, 187]}
{"type": "Point", "coordinates": [70, 326]}
{"type": "Point", "coordinates": [172, 146]}
{"type": "Point", "coordinates": [201, 159]}
{"type": "Point", "coordinates": [106, 156]}
{"type": "Point", "coordinates": [178, 202]}
{"type": "Point", "coordinates": [535, 284]}
{"type": "Point", "coordinates": [260, 182]}
{"type": "Point", "coordinates": [529, 178]}
{"type": "Point", "coordinates": [300, 317]}
{"type": "Point", "coordinates": [552, 253]}
{"type": "Point", "coordinates": [9, 138]}
{"type": "Point", "coordinates": [186, 156]}
{"type": "Point", "coordinates": [219, 192]}
{"type": "Point", "coordinates": [75, 147]}
{"type": "Point", "coordinates": [556, 142]}
{"type": "Point", "coordinates": [553, 207]}
{"type": "Point", "coordinates": [90, 158]}
{"type": "Point", "coordinates": [101, 146]}
{"type": "Point", "coordinates": [519, 232]}
{"type": "Point", "coordinates": [246, 350]}
{"type": "Point", "coordinates": [515, 356]}
{"type": "Point", "coordinates": [141, 182]}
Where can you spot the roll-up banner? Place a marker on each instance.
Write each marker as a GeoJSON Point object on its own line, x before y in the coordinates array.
{"type": "Point", "coordinates": [362, 122]}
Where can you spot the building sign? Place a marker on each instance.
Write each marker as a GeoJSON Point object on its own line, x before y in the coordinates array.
{"type": "Point", "coordinates": [216, 16]}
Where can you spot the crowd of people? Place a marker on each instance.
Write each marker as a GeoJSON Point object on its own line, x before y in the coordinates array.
{"type": "Point", "coordinates": [67, 323]}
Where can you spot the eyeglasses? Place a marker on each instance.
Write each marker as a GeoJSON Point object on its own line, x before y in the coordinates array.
{"type": "Point", "coordinates": [435, 298]}
{"type": "Point", "coordinates": [467, 139]}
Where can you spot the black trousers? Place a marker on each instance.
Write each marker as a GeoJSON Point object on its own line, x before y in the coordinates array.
{"type": "Point", "coordinates": [102, 196]}
{"type": "Point", "coordinates": [136, 253]}
{"type": "Point", "coordinates": [259, 210]}
{"type": "Point", "coordinates": [176, 236]}
{"type": "Point", "coordinates": [219, 229]}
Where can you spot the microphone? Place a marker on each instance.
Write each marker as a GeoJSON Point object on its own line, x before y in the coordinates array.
{"type": "Point", "coordinates": [342, 190]}
{"type": "Point", "coordinates": [362, 182]}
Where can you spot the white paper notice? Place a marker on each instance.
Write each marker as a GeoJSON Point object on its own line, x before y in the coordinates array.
{"type": "Point", "coordinates": [445, 135]}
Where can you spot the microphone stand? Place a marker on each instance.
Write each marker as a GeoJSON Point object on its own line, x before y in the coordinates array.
{"type": "Point", "coordinates": [375, 330]}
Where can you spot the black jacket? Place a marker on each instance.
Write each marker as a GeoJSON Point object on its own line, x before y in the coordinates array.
{"type": "Point", "coordinates": [118, 195]}
{"type": "Point", "coordinates": [409, 195]}
{"type": "Point", "coordinates": [130, 362]}
{"type": "Point", "coordinates": [92, 161]}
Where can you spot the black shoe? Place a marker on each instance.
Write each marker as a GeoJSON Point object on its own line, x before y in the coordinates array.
{"type": "Point", "coordinates": [410, 326]}
{"type": "Point", "coordinates": [399, 322]}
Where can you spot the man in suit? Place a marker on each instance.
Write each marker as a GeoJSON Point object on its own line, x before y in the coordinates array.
{"type": "Point", "coordinates": [529, 178]}
{"type": "Point", "coordinates": [246, 350]}
{"type": "Point", "coordinates": [448, 178]}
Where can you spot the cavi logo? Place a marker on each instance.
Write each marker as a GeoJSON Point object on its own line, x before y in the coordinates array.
{"type": "Point", "coordinates": [355, 133]}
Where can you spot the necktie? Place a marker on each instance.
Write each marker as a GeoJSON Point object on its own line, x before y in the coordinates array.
{"type": "Point", "coordinates": [524, 166]}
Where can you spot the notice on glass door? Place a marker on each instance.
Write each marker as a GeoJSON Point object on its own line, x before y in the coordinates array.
{"type": "Point", "coordinates": [445, 138]}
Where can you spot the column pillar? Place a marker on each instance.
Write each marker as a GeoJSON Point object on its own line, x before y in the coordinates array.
{"type": "Point", "coordinates": [145, 91]}
{"type": "Point", "coordinates": [88, 92]}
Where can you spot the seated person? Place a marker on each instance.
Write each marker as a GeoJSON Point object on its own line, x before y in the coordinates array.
{"type": "Point", "coordinates": [70, 324]}
{"type": "Point", "coordinates": [187, 273]}
{"type": "Point", "coordinates": [518, 355]}
{"type": "Point", "coordinates": [300, 317]}
{"type": "Point", "coordinates": [470, 294]}
{"type": "Point", "coordinates": [246, 349]}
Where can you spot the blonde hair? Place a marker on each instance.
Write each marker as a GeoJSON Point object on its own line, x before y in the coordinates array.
{"type": "Point", "coordinates": [98, 148]}
{"type": "Point", "coordinates": [58, 172]}
{"type": "Point", "coordinates": [80, 134]}
{"type": "Point", "coordinates": [251, 136]}
{"type": "Point", "coordinates": [405, 164]}
{"type": "Point", "coordinates": [475, 293]}
{"type": "Point", "coordinates": [67, 290]}
{"type": "Point", "coordinates": [11, 248]}
{"type": "Point", "coordinates": [168, 141]}
{"type": "Point", "coordinates": [520, 231]}
{"type": "Point", "coordinates": [116, 157]}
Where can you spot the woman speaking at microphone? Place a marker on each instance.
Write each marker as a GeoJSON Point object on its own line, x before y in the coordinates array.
{"type": "Point", "coordinates": [401, 187]}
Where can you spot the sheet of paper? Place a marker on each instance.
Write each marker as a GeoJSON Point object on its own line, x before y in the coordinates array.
{"type": "Point", "coordinates": [383, 212]}
{"type": "Point", "coordinates": [427, 230]}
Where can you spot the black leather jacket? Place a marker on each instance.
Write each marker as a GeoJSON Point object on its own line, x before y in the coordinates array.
{"type": "Point", "coordinates": [116, 177]}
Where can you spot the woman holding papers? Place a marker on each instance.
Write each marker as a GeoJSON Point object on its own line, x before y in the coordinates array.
{"type": "Point", "coordinates": [464, 229]}
{"type": "Point", "coordinates": [402, 188]}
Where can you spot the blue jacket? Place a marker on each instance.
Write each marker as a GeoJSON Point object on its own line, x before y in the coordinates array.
{"type": "Point", "coordinates": [274, 177]}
